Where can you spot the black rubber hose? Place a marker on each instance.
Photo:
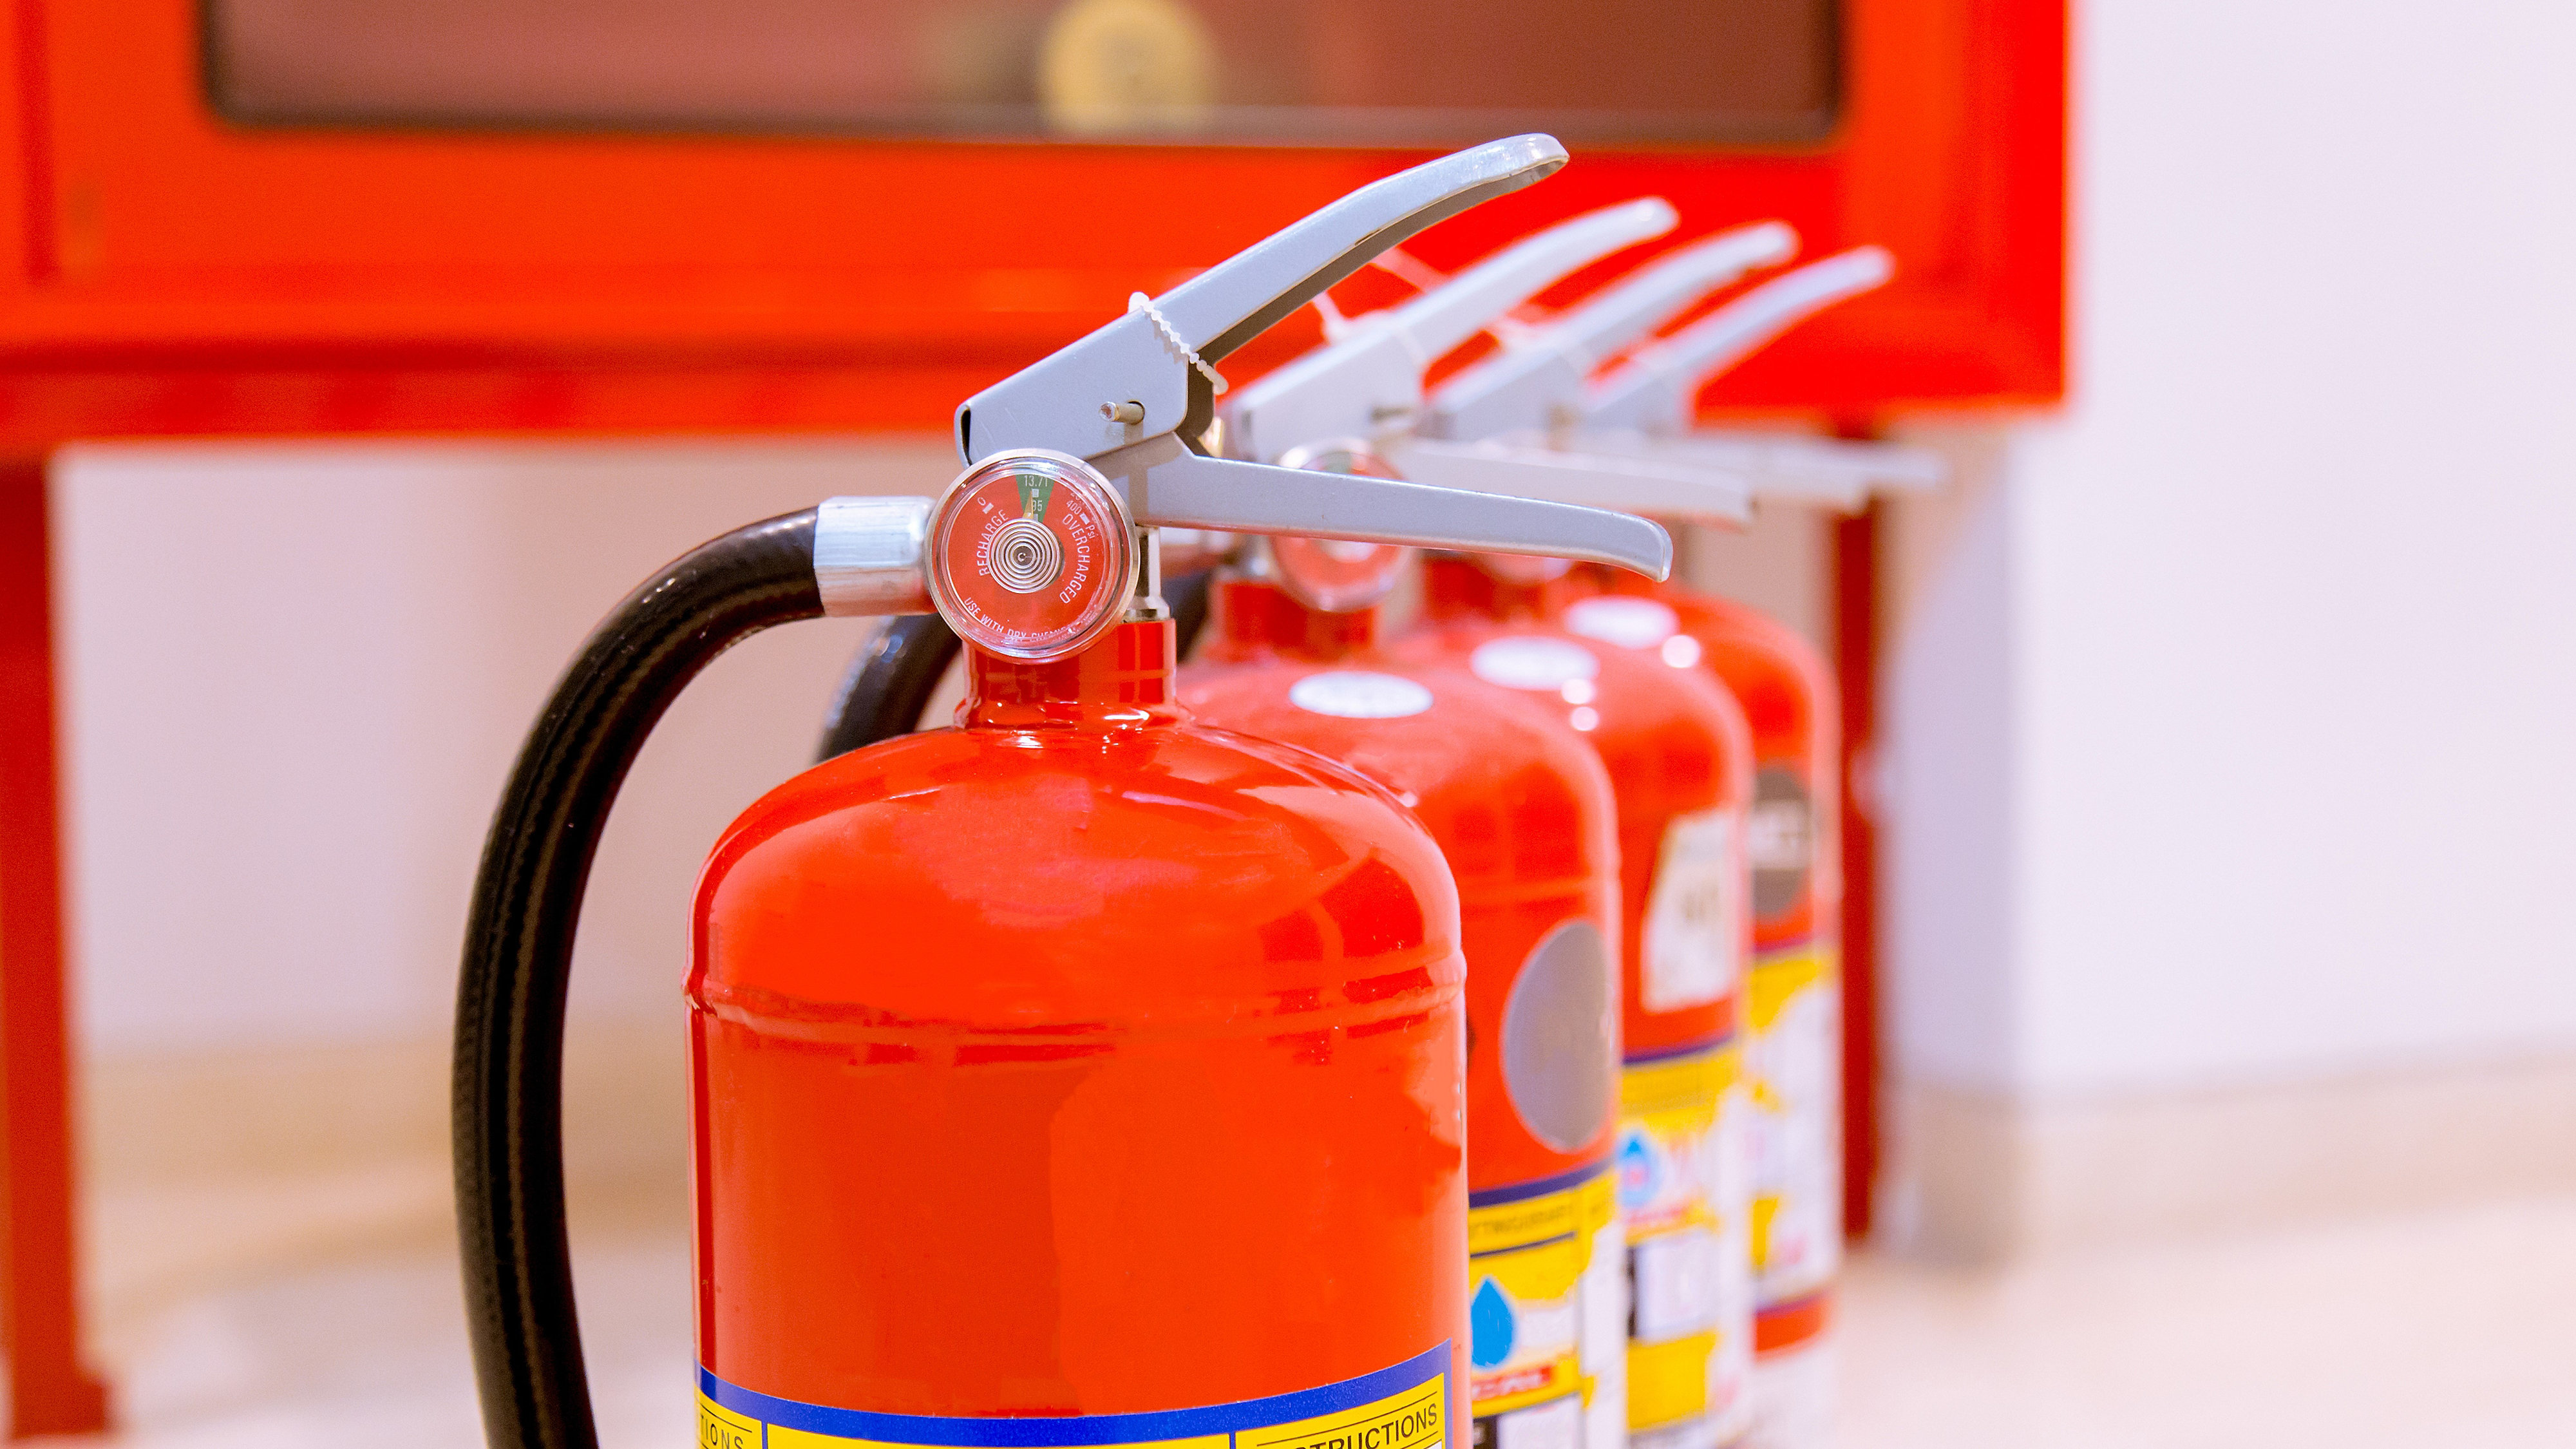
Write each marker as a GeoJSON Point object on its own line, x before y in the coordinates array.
{"type": "Point", "coordinates": [889, 684]}
{"type": "Point", "coordinates": [891, 680]}
{"type": "Point", "coordinates": [508, 1091]}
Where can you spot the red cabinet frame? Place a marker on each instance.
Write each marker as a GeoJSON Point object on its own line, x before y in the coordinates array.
{"type": "Point", "coordinates": [164, 272]}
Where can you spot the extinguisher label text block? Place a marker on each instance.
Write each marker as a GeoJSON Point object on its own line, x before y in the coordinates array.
{"type": "Point", "coordinates": [721, 1429]}
{"type": "Point", "coordinates": [1695, 923]}
{"type": "Point", "coordinates": [1685, 1196]}
{"type": "Point", "coordinates": [1405, 1406]}
{"type": "Point", "coordinates": [1407, 1420]}
{"type": "Point", "coordinates": [1794, 1009]}
{"type": "Point", "coordinates": [1545, 1311]}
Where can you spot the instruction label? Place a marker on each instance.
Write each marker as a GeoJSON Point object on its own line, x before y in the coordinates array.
{"type": "Point", "coordinates": [1546, 1346]}
{"type": "Point", "coordinates": [1685, 1198]}
{"type": "Point", "coordinates": [1794, 1010]}
{"type": "Point", "coordinates": [1695, 923]}
{"type": "Point", "coordinates": [1405, 1406]}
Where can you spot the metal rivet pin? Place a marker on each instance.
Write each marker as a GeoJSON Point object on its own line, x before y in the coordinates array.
{"type": "Point", "coordinates": [1125, 412]}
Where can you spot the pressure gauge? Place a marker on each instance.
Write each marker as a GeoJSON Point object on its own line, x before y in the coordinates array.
{"type": "Point", "coordinates": [1031, 555]}
{"type": "Point", "coordinates": [1336, 575]}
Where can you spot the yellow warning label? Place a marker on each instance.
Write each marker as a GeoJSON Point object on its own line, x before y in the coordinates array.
{"type": "Point", "coordinates": [1414, 1418]}
{"type": "Point", "coordinates": [1576, 1211]}
{"type": "Point", "coordinates": [1668, 1381]}
{"type": "Point", "coordinates": [1778, 979]}
{"type": "Point", "coordinates": [782, 1437]}
{"type": "Point", "coordinates": [1678, 1083]}
{"type": "Point", "coordinates": [1402, 1406]}
{"type": "Point", "coordinates": [720, 1428]}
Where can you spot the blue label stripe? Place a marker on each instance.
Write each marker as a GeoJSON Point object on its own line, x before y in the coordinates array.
{"type": "Point", "coordinates": [1665, 1054]}
{"type": "Point", "coordinates": [1538, 1186]}
{"type": "Point", "coordinates": [1078, 1429]}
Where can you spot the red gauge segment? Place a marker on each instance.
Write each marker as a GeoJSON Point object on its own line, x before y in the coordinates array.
{"type": "Point", "coordinates": [1336, 575]}
{"type": "Point", "coordinates": [1031, 555]}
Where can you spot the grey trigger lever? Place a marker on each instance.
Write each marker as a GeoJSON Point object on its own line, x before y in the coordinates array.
{"type": "Point", "coordinates": [1131, 398]}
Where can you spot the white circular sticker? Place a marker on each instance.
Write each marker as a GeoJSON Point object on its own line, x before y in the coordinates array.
{"type": "Point", "coordinates": [1358, 694]}
{"type": "Point", "coordinates": [1626, 622]}
{"type": "Point", "coordinates": [1530, 662]}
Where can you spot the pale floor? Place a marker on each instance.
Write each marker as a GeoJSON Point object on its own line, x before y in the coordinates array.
{"type": "Point", "coordinates": [2457, 1329]}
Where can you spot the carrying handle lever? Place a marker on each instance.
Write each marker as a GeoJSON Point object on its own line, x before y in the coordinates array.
{"type": "Point", "coordinates": [1468, 303]}
{"type": "Point", "coordinates": [1368, 380]}
{"type": "Point", "coordinates": [1131, 380]}
{"type": "Point", "coordinates": [1236, 300]}
{"type": "Point", "coordinates": [1543, 372]}
{"type": "Point", "coordinates": [1655, 389]}
{"type": "Point", "coordinates": [1165, 483]}
{"type": "Point", "coordinates": [1626, 311]}
{"type": "Point", "coordinates": [1633, 484]}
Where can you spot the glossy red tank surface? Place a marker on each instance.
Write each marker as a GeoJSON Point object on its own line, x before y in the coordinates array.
{"type": "Point", "coordinates": [1079, 1060]}
{"type": "Point", "coordinates": [1675, 746]}
{"type": "Point", "coordinates": [1522, 809]}
{"type": "Point", "coordinates": [1794, 1000]}
{"type": "Point", "coordinates": [1787, 693]}
{"type": "Point", "coordinates": [1678, 753]}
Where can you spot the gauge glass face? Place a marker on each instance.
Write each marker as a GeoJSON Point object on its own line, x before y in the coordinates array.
{"type": "Point", "coordinates": [1339, 576]}
{"type": "Point", "coordinates": [1031, 555]}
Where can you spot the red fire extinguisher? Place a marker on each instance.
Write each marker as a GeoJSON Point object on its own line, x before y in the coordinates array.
{"type": "Point", "coordinates": [1792, 1001]}
{"type": "Point", "coordinates": [1080, 1076]}
{"type": "Point", "coordinates": [1678, 754]}
{"type": "Point", "coordinates": [1643, 408]}
{"type": "Point", "coordinates": [1522, 811]}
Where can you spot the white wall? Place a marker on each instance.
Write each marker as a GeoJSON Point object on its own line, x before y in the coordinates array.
{"type": "Point", "coordinates": [295, 677]}
{"type": "Point", "coordinates": [2272, 634]}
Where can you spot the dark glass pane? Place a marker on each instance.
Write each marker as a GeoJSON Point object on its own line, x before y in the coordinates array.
{"type": "Point", "coordinates": [1349, 71]}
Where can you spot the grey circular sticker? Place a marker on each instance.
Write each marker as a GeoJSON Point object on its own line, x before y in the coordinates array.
{"type": "Point", "coordinates": [1780, 838]}
{"type": "Point", "coordinates": [1560, 1051]}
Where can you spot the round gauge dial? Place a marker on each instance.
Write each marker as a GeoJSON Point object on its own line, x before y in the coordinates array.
{"type": "Point", "coordinates": [1338, 576]}
{"type": "Point", "coordinates": [1031, 555]}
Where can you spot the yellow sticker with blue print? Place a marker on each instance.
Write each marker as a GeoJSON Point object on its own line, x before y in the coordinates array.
{"type": "Point", "coordinates": [1795, 1010]}
{"type": "Point", "coordinates": [1403, 1406]}
{"type": "Point", "coordinates": [1543, 1316]}
{"type": "Point", "coordinates": [1685, 1197]}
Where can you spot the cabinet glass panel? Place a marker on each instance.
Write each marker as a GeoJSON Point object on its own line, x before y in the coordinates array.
{"type": "Point", "coordinates": [1340, 72]}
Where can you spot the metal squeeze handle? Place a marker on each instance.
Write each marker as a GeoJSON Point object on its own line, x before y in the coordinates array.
{"type": "Point", "coordinates": [1448, 315]}
{"type": "Point", "coordinates": [1130, 380]}
{"type": "Point", "coordinates": [1628, 310]}
{"type": "Point", "coordinates": [1370, 379]}
{"type": "Point", "coordinates": [1647, 484]}
{"type": "Point", "coordinates": [1238, 299]}
{"type": "Point", "coordinates": [1519, 387]}
{"type": "Point", "coordinates": [1166, 483]}
{"type": "Point", "coordinates": [1657, 386]}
